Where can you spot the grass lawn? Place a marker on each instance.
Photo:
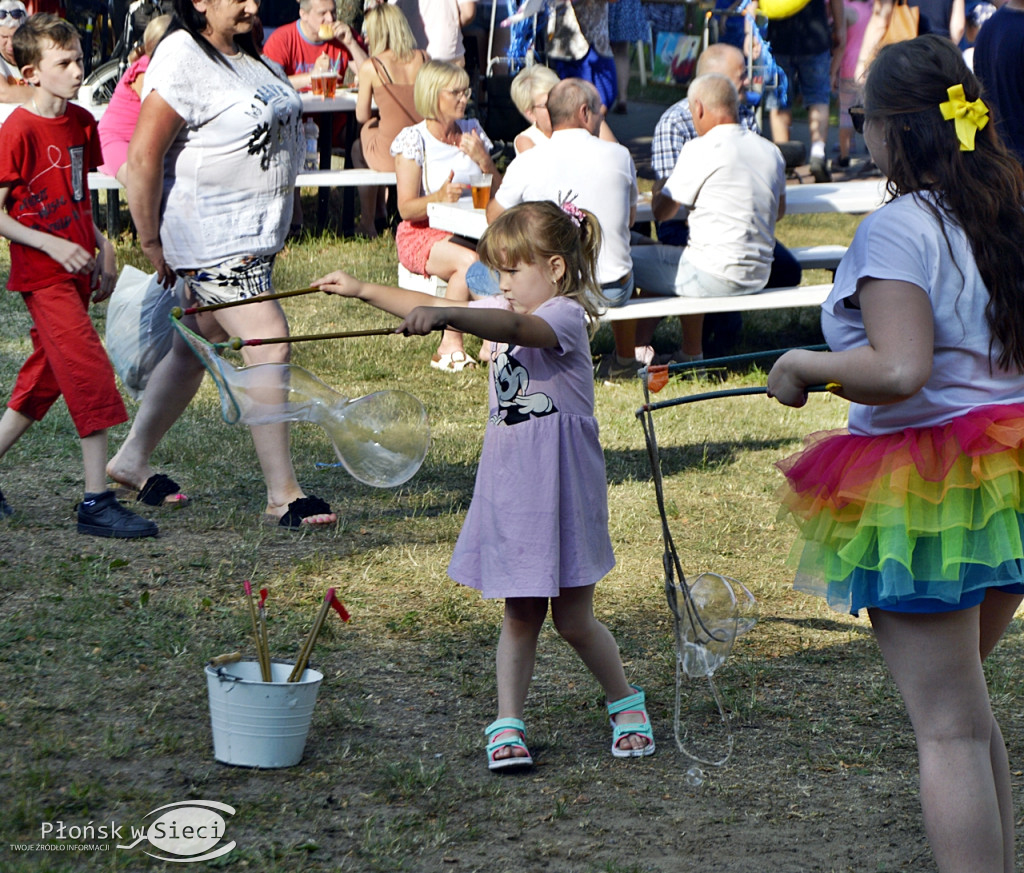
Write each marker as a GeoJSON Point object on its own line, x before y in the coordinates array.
{"type": "Point", "coordinates": [103, 709]}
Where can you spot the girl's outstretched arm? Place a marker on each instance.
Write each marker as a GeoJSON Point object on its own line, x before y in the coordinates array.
{"type": "Point", "coordinates": [495, 325]}
{"type": "Point", "coordinates": [424, 314]}
{"type": "Point", "coordinates": [894, 365]}
{"type": "Point", "coordinates": [397, 301]}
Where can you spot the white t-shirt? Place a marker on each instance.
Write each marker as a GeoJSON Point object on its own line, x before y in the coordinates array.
{"type": "Point", "coordinates": [730, 179]}
{"type": "Point", "coordinates": [534, 134]}
{"type": "Point", "coordinates": [903, 241]}
{"type": "Point", "coordinates": [599, 176]}
{"type": "Point", "coordinates": [229, 174]}
{"type": "Point", "coordinates": [436, 26]}
{"type": "Point", "coordinates": [438, 158]}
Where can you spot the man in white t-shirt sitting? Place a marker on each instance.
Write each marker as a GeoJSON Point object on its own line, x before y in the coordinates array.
{"type": "Point", "coordinates": [595, 175]}
{"type": "Point", "coordinates": [729, 183]}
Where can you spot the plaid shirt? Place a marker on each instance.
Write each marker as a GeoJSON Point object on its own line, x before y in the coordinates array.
{"type": "Point", "coordinates": [675, 129]}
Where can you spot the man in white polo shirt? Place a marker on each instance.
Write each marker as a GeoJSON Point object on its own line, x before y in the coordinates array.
{"type": "Point", "coordinates": [596, 175]}
{"type": "Point", "coordinates": [729, 183]}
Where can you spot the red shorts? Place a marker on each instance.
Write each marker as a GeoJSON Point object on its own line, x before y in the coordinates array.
{"type": "Point", "coordinates": [68, 359]}
{"type": "Point", "coordinates": [414, 240]}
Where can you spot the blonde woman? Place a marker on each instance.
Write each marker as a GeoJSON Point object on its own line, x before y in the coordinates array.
{"type": "Point", "coordinates": [529, 92]}
{"type": "Point", "coordinates": [387, 77]}
{"type": "Point", "coordinates": [435, 161]}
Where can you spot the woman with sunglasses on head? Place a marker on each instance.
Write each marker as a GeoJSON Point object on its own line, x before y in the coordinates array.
{"type": "Point", "coordinates": [916, 513]}
{"type": "Point", "coordinates": [435, 162]}
{"type": "Point", "coordinates": [13, 88]}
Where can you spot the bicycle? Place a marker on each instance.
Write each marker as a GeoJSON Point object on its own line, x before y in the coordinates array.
{"type": "Point", "coordinates": [100, 83]}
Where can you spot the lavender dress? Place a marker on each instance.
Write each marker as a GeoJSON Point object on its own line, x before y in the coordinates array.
{"type": "Point", "coordinates": [538, 521]}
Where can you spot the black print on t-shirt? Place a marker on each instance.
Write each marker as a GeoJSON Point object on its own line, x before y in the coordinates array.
{"type": "Point", "coordinates": [77, 173]}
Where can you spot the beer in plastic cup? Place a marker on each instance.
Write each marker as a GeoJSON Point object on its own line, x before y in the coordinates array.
{"type": "Point", "coordinates": [316, 83]}
{"type": "Point", "coordinates": [330, 80]}
{"type": "Point", "coordinates": [481, 186]}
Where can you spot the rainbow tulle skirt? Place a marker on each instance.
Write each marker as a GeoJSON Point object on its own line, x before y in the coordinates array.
{"type": "Point", "coordinates": [923, 520]}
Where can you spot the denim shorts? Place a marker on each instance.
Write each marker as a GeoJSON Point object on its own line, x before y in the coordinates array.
{"type": "Point", "coordinates": [810, 75]}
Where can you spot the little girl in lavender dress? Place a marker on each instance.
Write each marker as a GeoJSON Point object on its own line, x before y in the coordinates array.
{"type": "Point", "coordinates": [537, 528]}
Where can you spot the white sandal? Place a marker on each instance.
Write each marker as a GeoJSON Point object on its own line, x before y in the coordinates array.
{"type": "Point", "coordinates": [455, 362]}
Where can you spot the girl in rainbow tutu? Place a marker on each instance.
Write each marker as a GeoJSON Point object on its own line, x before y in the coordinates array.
{"type": "Point", "coordinates": [916, 512]}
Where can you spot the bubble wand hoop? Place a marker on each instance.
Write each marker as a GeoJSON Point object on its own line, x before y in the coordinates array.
{"type": "Point", "coordinates": [381, 439]}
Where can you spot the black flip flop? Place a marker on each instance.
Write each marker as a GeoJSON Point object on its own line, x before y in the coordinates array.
{"type": "Point", "coordinates": [157, 487]}
{"type": "Point", "coordinates": [303, 508]}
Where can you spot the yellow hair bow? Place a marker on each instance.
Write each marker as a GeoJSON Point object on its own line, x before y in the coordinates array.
{"type": "Point", "coordinates": [969, 117]}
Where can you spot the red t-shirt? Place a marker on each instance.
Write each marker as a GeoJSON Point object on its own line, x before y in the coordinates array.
{"type": "Point", "coordinates": [44, 163]}
{"type": "Point", "coordinates": [288, 47]}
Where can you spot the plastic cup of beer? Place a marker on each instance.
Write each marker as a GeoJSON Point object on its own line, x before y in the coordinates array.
{"type": "Point", "coordinates": [316, 83]}
{"type": "Point", "coordinates": [481, 186]}
{"type": "Point", "coordinates": [330, 80]}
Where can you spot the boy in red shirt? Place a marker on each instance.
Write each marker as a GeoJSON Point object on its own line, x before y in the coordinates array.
{"type": "Point", "coordinates": [47, 147]}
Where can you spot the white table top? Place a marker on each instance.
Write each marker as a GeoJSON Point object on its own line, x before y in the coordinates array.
{"type": "Point", "coordinates": [343, 101]}
{"type": "Point", "coordinates": [857, 197]}
{"type": "Point", "coordinates": [463, 219]}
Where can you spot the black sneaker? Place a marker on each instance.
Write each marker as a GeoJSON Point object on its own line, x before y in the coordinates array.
{"type": "Point", "coordinates": [5, 508]}
{"type": "Point", "coordinates": [103, 516]}
{"type": "Point", "coordinates": [819, 170]}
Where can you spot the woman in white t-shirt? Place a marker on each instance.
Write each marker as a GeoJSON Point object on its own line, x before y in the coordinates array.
{"type": "Point", "coordinates": [435, 161]}
{"type": "Point", "coordinates": [211, 168]}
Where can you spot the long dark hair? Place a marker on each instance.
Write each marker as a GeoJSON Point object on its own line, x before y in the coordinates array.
{"type": "Point", "coordinates": [982, 190]}
{"type": "Point", "coordinates": [187, 17]}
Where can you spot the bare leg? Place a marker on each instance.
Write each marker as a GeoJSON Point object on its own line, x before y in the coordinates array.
{"type": "Point", "coordinates": [693, 337]}
{"type": "Point", "coordinates": [450, 261]}
{"type": "Point", "coordinates": [517, 653]}
{"type": "Point", "coordinates": [781, 121]}
{"type": "Point", "coordinates": [171, 387]}
{"type": "Point", "coordinates": [369, 195]}
{"type": "Point", "coordinates": [817, 116]}
{"type": "Point", "coordinates": [12, 425]}
{"type": "Point", "coordinates": [573, 614]}
{"type": "Point", "coordinates": [935, 662]}
{"type": "Point", "coordinates": [94, 460]}
{"type": "Point", "coordinates": [996, 611]}
{"type": "Point", "coordinates": [271, 441]}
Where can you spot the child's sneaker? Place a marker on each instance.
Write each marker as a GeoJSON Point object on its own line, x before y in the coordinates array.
{"type": "Point", "coordinates": [104, 516]}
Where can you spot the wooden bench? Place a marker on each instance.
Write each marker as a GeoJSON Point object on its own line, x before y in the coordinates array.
{"type": "Point", "coordinates": [308, 179]}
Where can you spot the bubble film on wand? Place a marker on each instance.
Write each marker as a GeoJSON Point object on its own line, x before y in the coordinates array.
{"type": "Point", "coordinates": [710, 612]}
{"type": "Point", "coordinates": [380, 439]}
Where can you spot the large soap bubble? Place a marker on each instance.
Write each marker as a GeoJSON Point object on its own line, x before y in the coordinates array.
{"type": "Point", "coordinates": [380, 439]}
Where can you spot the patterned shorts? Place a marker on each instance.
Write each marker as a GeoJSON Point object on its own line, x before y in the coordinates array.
{"type": "Point", "coordinates": [234, 279]}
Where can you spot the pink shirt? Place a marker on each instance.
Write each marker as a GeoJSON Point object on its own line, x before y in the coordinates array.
{"type": "Point", "coordinates": [118, 121]}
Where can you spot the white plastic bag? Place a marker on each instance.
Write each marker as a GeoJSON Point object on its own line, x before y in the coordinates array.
{"type": "Point", "coordinates": [139, 331]}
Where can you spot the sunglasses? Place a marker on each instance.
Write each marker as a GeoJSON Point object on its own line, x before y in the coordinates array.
{"type": "Point", "coordinates": [857, 117]}
{"type": "Point", "coordinates": [16, 14]}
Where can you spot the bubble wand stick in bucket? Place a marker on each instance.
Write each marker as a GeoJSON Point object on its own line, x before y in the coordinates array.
{"type": "Point", "coordinates": [262, 655]}
{"type": "Point", "coordinates": [307, 647]}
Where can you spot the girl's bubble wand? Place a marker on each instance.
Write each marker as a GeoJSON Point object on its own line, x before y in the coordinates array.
{"type": "Point", "coordinates": [307, 647]}
{"type": "Point", "coordinates": [178, 312]}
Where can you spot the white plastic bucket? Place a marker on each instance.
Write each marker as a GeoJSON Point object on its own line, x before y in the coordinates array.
{"type": "Point", "coordinates": [256, 723]}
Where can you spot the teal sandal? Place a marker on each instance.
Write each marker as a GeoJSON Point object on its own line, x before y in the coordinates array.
{"type": "Point", "coordinates": [633, 703]}
{"type": "Point", "coordinates": [507, 732]}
